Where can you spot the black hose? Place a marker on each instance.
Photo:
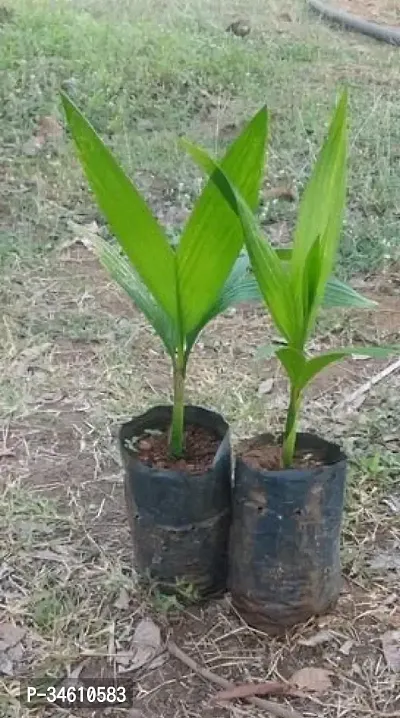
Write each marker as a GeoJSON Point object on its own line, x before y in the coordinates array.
{"type": "Point", "coordinates": [385, 33]}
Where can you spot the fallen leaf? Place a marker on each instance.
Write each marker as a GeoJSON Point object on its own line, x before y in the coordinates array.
{"type": "Point", "coordinates": [312, 679]}
{"type": "Point", "coordinates": [49, 128]}
{"type": "Point", "coordinates": [123, 600]}
{"type": "Point", "coordinates": [146, 643]}
{"type": "Point", "coordinates": [147, 634]}
{"type": "Point", "coordinates": [6, 665]}
{"type": "Point", "coordinates": [10, 635]}
{"type": "Point", "coordinates": [317, 639]}
{"type": "Point", "coordinates": [391, 649]}
{"type": "Point", "coordinates": [286, 193]}
{"type": "Point", "coordinates": [346, 647]}
{"type": "Point", "coordinates": [265, 387]}
{"type": "Point", "coordinates": [245, 690]}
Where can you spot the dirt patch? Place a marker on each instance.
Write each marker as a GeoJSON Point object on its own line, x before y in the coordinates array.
{"type": "Point", "coordinates": [201, 446]}
{"type": "Point", "coordinates": [383, 12]}
{"type": "Point", "coordinates": [259, 454]}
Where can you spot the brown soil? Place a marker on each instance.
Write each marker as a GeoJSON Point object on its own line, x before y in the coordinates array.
{"type": "Point", "coordinates": [201, 446]}
{"type": "Point", "coordinates": [383, 12]}
{"type": "Point", "coordinates": [260, 455]}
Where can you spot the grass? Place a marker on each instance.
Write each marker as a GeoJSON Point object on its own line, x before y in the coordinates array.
{"type": "Point", "coordinates": [76, 359]}
{"type": "Point", "coordinates": [143, 82]}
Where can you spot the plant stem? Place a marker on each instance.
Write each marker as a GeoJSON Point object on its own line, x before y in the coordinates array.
{"type": "Point", "coordinates": [176, 447]}
{"type": "Point", "coordinates": [289, 440]}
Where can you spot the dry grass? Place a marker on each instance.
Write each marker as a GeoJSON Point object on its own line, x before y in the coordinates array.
{"type": "Point", "coordinates": [76, 359]}
{"type": "Point", "coordinates": [63, 496]}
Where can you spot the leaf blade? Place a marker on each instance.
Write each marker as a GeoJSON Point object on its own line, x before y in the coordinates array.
{"type": "Point", "coordinates": [128, 215]}
{"type": "Point", "coordinates": [121, 270]}
{"type": "Point", "coordinates": [268, 268]}
{"type": "Point", "coordinates": [317, 364]}
{"type": "Point", "coordinates": [320, 217]}
{"type": "Point", "coordinates": [213, 236]}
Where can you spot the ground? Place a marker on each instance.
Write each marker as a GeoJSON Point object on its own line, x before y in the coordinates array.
{"type": "Point", "coordinates": [379, 11]}
{"type": "Point", "coordinates": [76, 359]}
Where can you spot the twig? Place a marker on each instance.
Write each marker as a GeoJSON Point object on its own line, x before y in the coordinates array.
{"type": "Point", "coordinates": [269, 688]}
{"type": "Point", "coordinates": [368, 385]}
{"type": "Point", "coordinates": [273, 708]}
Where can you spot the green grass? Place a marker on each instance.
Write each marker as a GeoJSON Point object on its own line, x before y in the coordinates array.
{"type": "Point", "coordinates": [143, 80]}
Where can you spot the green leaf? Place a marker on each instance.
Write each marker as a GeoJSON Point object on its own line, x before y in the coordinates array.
{"type": "Point", "coordinates": [128, 215]}
{"type": "Point", "coordinates": [320, 218]}
{"type": "Point", "coordinates": [339, 294]}
{"type": "Point", "coordinates": [315, 365]}
{"type": "Point", "coordinates": [123, 273]}
{"type": "Point", "coordinates": [293, 362]}
{"type": "Point", "coordinates": [269, 270]}
{"type": "Point", "coordinates": [213, 236]}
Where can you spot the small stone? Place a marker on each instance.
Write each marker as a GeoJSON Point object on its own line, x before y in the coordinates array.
{"type": "Point", "coordinates": [239, 28]}
{"type": "Point", "coordinates": [145, 445]}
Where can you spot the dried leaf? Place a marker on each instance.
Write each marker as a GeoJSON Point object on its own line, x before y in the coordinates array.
{"type": "Point", "coordinates": [6, 666]}
{"type": "Point", "coordinates": [245, 690]}
{"type": "Point", "coordinates": [49, 128]}
{"type": "Point", "coordinates": [123, 600]}
{"type": "Point", "coordinates": [146, 643]}
{"type": "Point", "coordinates": [391, 649]}
{"type": "Point", "coordinates": [147, 634]}
{"type": "Point", "coordinates": [284, 192]}
{"type": "Point", "coordinates": [265, 387]}
{"type": "Point", "coordinates": [10, 635]}
{"type": "Point", "coordinates": [312, 679]}
{"type": "Point", "coordinates": [317, 639]}
{"type": "Point", "coordinates": [346, 647]}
